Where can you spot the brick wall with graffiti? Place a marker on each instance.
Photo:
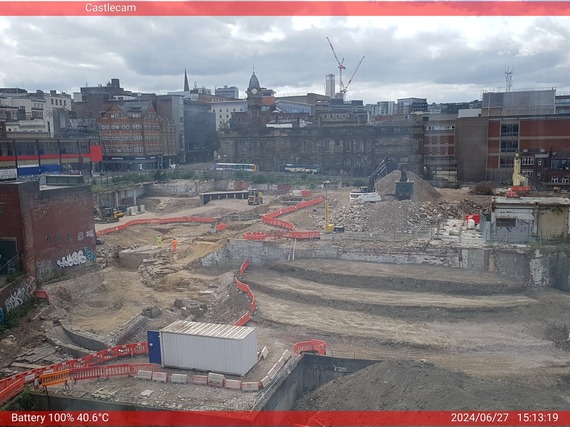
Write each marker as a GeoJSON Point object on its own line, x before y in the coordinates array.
{"type": "Point", "coordinates": [15, 294]}
{"type": "Point", "coordinates": [53, 228]}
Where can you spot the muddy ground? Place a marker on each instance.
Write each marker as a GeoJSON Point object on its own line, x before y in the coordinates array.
{"type": "Point", "coordinates": [486, 326]}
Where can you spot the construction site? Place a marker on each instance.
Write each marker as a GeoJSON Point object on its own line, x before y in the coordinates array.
{"type": "Point", "coordinates": [405, 306]}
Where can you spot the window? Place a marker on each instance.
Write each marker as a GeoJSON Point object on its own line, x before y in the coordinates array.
{"type": "Point", "coordinates": [527, 161]}
{"type": "Point", "coordinates": [527, 173]}
{"type": "Point", "coordinates": [509, 146]}
{"type": "Point", "coordinates": [509, 130]}
{"type": "Point", "coordinates": [554, 179]}
{"type": "Point", "coordinates": [565, 179]}
{"type": "Point", "coordinates": [506, 222]}
{"type": "Point", "coordinates": [506, 162]}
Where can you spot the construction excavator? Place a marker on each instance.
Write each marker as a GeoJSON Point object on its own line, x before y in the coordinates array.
{"type": "Point", "coordinates": [107, 214]}
{"type": "Point", "coordinates": [404, 187]}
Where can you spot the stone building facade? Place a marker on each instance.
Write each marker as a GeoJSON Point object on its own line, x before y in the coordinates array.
{"type": "Point", "coordinates": [347, 148]}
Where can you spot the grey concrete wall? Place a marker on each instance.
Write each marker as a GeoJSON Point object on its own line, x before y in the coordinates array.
{"type": "Point", "coordinates": [85, 339]}
{"type": "Point", "coordinates": [124, 334]}
{"type": "Point", "coordinates": [509, 262]}
{"type": "Point", "coordinates": [181, 187]}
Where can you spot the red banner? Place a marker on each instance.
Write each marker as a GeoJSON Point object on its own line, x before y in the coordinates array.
{"type": "Point", "coordinates": [287, 418]}
{"type": "Point", "coordinates": [285, 8]}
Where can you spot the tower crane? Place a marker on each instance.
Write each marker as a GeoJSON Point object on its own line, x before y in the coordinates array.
{"type": "Point", "coordinates": [342, 88]}
{"type": "Point", "coordinates": [351, 77]}
{"type": "Point", "coordinates": [340, 66]}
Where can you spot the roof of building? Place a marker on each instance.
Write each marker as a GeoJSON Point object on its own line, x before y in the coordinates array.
{"type": "Point", "coordinates": [557, 201]}
{"type": "Point", "coordinates": [254, 82]}
{"type": "Point", "coordinates": [211, 330]}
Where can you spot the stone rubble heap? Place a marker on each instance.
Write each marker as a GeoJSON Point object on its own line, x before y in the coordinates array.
{"type": "Point", "coordinates": [423, 210]}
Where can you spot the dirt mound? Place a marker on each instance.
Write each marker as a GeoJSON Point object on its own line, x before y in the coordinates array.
{"type": "Point", "coordinates": [410, 385]}
{"type": "Point", "coordinates": [423, 190]}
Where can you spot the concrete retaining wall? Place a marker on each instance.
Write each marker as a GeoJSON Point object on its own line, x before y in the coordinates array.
{"type": "Point", "coordinates": [85, 339]}
{"type": "Point", "coordinates": [123, 334]}
{"type": "Point", "coordinates": [183, 187]}
{"type": "Point", "coordinates": [514, 263]}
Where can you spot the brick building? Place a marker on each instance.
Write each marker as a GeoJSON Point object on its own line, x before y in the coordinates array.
{"type": "Point", "coordinates": [48, 231]}
{"type": "Point", "coordinates": [135, 137]}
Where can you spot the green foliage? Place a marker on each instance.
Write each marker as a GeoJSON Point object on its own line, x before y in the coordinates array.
{"type": "Point", "coordinates": [25, 401]}
{"type": "Point", "coordinates": [260, 178]}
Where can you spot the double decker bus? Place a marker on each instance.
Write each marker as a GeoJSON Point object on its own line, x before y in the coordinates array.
{"type": "Point", "coordinates": [247, 167]}
{"type": "Point", "coordinates": [290, 167]}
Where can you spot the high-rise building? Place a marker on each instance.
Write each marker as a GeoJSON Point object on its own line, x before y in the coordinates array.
{"type": "Point", "coordinates": [330, 86]}
{"type": "Point", "coordinates": [231, 92]}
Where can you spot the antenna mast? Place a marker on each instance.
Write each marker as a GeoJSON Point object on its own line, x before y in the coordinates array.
{"type": "Point", "coordinates": [509, 78]}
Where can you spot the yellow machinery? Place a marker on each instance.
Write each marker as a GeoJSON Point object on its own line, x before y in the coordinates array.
{"type": "Point", "coordinates": [518, 178]}
{"type": "Point", "coordinates": [255, 197]}
{"type": "Point", "coordinates": [106, 214]}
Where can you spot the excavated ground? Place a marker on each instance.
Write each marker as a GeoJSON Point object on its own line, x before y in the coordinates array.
{"type": "Point", "coordinates": [455, 321]}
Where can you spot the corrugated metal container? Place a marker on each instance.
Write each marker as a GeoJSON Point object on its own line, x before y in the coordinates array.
{"type": "Point", "coordinates": [209, 347]}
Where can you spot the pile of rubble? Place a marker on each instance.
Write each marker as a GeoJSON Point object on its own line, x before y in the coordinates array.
{"type": "Point", "coordinates": [384, 217]}
{"type": "Point", "coordinates": [423, 190]}
{"type": "Point", "coordinates": [423, 210]}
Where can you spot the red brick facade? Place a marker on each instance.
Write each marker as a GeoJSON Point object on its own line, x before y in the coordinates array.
{"type": "Point", "coordinates": [53, 228]}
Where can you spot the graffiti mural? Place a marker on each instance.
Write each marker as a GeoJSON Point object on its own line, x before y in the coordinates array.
{"type": "Point", "coordinates": [90, 233]}
{"type": "Point", "coordinates": [15, 300]}
{"type": "Point", "coordinates": [80, 236]}
{"type": "Point", "coordinates": [75, 258]}
{"type": "Point", "coordinates": [89, 254]}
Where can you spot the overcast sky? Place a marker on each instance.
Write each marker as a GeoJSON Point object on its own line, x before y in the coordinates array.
{"type": "Point", "coordinates": [447, 59]}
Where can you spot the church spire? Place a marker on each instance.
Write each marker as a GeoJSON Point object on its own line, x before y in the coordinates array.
{"type": "Point", "coordinates": [186, 85]}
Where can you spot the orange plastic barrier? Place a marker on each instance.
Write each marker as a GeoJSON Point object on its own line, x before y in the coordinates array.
{"type": "Point", "coordinates": [121, 370]}
{"type": "Point", "coordinates": [313, 346]}
{"type": "Point", "coordinates": [221, 226]}
{"type": "Point", "coordinates": [54, 378]}
{"type": "Point", "coordinates": [243, 319]}
{"type": "Point", "coordinates": [254, 235]}
{"type": "Point", "coordinates": [304, 235]}
{"type": "Point", "coordinates": [127, 224]}
{"type": "Point", "coordinates": [244, 266]}
{"type": "Point", "coordinates": [11, 390]}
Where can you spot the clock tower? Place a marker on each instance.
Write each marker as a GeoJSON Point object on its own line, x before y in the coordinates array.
{"type": "Point", "coordinates": [254, 95]}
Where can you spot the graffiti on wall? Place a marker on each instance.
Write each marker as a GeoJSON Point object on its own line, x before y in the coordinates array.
{"type": "Point", "coordinates": [21, 294]}
{"type": "Point", "coordinates": [89, 254]}
{"type": "Point", "coordinates": [70, 260]}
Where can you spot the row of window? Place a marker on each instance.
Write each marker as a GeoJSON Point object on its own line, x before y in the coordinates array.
{"type": "Point", "coordinates": [124, 149]}
{"type": "Point", "coordinates": [122, 138]}
{"type": "Point", "coordinates": [58, 102]}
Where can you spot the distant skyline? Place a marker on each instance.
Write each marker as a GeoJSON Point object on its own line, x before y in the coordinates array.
{"type": "Point", "coordinates": [443, 59]}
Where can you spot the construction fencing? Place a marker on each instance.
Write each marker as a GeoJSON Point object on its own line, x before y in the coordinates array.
{"type": "Point", "coordinates": [181, 219]}
{"type": "Point", "coordinates": [60, 372]}
{"type": "Point", "coordinates": [272, 219]}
